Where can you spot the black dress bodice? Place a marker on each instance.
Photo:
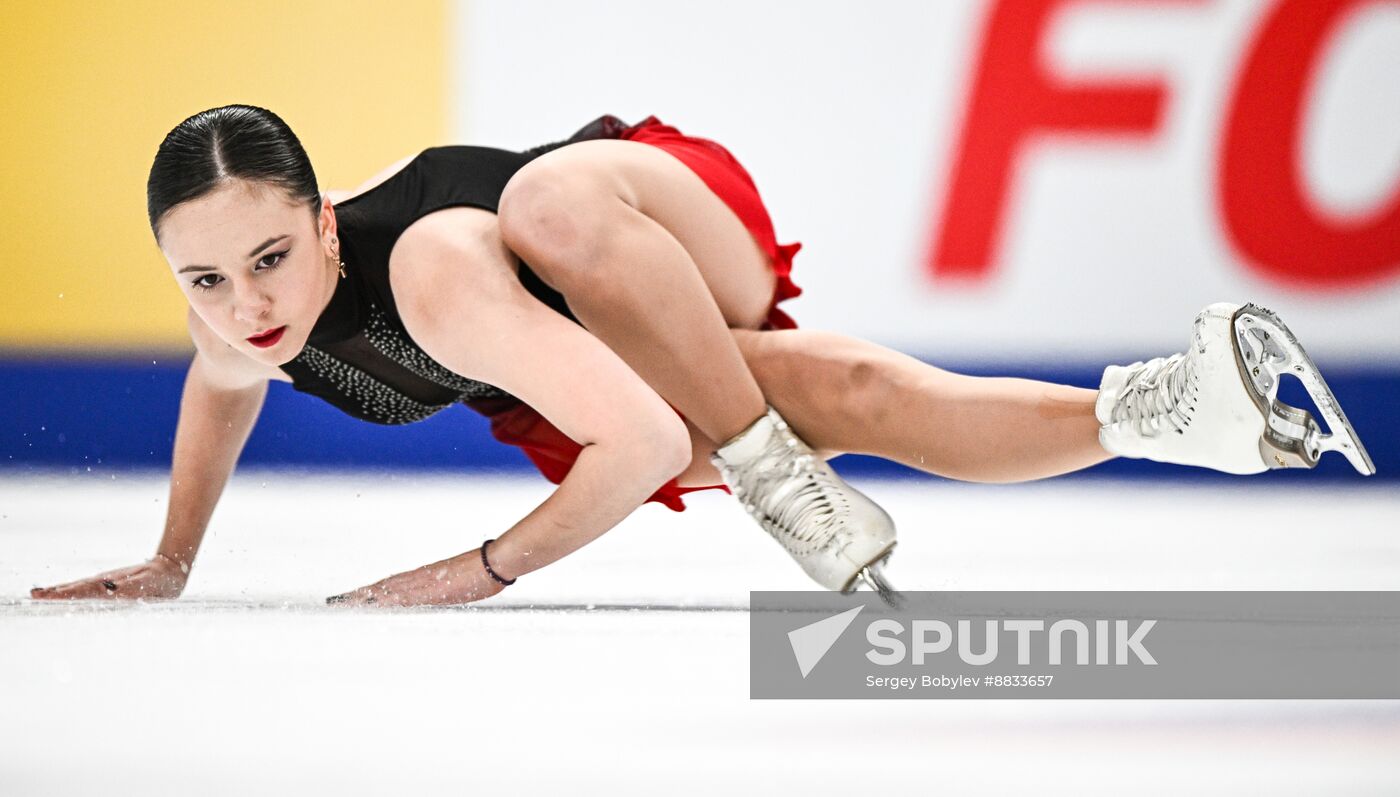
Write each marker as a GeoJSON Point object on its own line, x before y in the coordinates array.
{"type": "Point", "coordinates": [359, 357]}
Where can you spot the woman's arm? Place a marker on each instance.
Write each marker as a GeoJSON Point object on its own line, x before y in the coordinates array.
{"type": "Point", "coordinates": [223, 394]}
{"type": "Point", "coordinates": [461, 302]}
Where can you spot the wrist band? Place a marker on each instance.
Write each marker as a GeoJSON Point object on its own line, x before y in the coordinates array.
{"type": "Point", "coordinates": [184, 568]}
{"type": "Point", "coordinates": [494, 574]}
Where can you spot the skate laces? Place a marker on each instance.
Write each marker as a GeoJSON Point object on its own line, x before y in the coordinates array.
{"type": "Point", "coordinates": [792, 493]}
{"type": "Point", "coordinates": [1157, 392]}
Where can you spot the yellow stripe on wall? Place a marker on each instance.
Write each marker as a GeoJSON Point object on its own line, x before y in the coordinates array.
{"type": "Point", "coordinates": [89, 90]}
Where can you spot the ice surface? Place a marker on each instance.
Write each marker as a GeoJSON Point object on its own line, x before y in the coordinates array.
{"type": "Point", "coordinates": [250, 684]}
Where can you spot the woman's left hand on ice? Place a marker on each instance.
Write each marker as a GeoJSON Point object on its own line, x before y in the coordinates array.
{"type": "Point", "coordinates": [461, 579]}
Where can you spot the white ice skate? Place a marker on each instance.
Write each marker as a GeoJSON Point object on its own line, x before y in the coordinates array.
{"type": "Point", "coordinates": [1216, 405]}
{"type": "Point", "coordinates": [834, 531]}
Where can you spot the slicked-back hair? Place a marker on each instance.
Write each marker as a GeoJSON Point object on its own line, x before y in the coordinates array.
{"type": "Point", "coordinates": [220, 145]}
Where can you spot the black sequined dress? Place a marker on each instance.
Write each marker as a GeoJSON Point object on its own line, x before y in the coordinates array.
{"type": "Point", "coordinates": [359, 357]}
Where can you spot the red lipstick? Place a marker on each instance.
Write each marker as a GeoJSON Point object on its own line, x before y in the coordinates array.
{"type": "Point", "coordinates": [268, 338]}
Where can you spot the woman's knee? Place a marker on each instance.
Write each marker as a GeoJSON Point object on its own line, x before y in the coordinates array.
{"type": "Point", "coordinates": [858, 380]}
{"type": "Point", "coordinates": [835, 378]}
{"type": "Point", "coordinates": [560, 220]}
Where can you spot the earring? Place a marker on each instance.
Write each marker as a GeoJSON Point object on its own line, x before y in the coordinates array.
{"type": "Point", "coordinates": [340, 263]}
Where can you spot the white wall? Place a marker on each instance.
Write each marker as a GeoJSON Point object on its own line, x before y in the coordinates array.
{"type": "Point", "coordinates": [848, 115]}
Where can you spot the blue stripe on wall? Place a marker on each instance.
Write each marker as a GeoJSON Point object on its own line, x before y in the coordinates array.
{"type": "Point", "coordinates": [121, 413]}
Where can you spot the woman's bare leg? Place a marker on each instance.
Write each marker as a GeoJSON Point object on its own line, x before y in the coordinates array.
{"type": "Point", "coordinates": [659, 268]}
{"type": "Point", "coordinates": [846, 395]}
{"type": "Point", "coordinates": [653, 263]}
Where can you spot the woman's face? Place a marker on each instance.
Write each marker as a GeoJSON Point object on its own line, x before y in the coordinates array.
{"type": "Point", "coordinates": [251, 262]}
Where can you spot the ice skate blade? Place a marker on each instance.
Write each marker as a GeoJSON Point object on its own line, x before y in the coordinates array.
{"type": "Point", "coordinates": [874, 576]}
{"type": "Point", "coordinates": [1266, 349]}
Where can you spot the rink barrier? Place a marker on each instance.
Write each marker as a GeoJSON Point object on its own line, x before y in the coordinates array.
{"type": "Point", "coordinates": [103, 414]}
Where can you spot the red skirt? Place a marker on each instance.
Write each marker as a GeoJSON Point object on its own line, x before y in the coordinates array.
{"type": "Point", "coordinates": [551, 450]}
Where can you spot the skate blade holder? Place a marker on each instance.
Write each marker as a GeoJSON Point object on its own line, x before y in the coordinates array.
{"type": "Point", "coordinates": [873, 576]}
{"type": "Point", "coordinates": [1292, 438]}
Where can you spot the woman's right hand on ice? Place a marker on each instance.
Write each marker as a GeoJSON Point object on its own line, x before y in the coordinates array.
{"type": "Point", "coordinates": [157, 579]}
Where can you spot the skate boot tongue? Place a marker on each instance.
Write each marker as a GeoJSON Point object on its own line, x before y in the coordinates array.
{"type": "Point", "coordinates": [777, 477]}
{"type": "Point", "coordinates": [831, 529]}
{"type": "Point", "coordinates": [748, 444]}
{"type": "Point", "coordinates": [1153, 394]}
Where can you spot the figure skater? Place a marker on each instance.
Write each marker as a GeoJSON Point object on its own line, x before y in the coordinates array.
{"type": "Point", "coordinates": [609, 302]}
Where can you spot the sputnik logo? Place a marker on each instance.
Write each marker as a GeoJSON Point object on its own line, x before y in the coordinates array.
{"type": "Point", "coordinates": [811, 642]}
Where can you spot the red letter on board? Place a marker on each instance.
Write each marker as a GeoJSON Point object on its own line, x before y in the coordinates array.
{"type": "Point", "coordinates": [1264, 201]}
{"type": "Point", "coordinates": [1013, 100]}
